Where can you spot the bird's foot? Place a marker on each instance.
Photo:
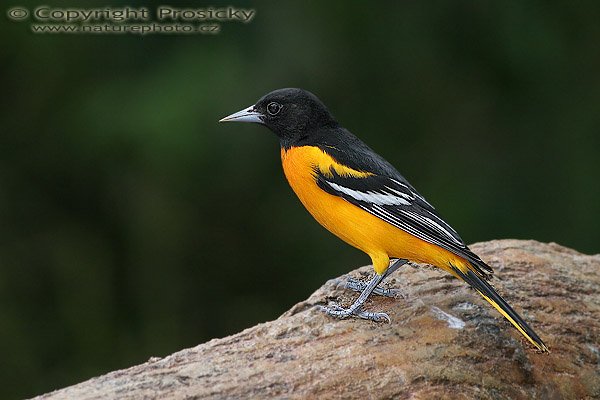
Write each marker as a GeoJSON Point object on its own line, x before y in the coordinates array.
{"type": "Point", "coordinates": [339, 312]}
{"type": "Point", "coordinates": [359, 286]}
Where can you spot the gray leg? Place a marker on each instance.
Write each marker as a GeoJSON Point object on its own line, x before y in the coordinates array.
{"type": "Point", "coordinates": [354, 309]}
{"type": "Point", "coordinates": [392, 268]}
{"type": "Point", "coordinates": [359, 286]}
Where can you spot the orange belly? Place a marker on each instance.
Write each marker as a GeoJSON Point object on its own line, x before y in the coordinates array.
{"type": "Point", "coordinates": [353, 225]}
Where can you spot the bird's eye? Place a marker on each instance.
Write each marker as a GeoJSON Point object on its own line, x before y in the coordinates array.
{"type": "Point", "coordinates": [273, 108]}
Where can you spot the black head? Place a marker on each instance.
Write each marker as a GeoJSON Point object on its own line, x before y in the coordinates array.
{"type": "Point", "coordinates": [291, 114]}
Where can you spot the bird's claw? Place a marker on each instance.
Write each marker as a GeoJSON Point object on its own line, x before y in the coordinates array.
{"type": "Point", "coordinates": [375, 316]}
{"type": "Point", "coordinates": [359, 286]}
{"type": "Point", "coordinates": [335, 310]}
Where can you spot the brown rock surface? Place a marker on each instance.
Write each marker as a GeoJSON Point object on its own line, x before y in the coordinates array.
{"type": "Point", "coordinates": [444, 341]}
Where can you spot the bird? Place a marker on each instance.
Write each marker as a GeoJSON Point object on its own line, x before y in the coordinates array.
{"type": "Point", "coordinates": [361, 198]}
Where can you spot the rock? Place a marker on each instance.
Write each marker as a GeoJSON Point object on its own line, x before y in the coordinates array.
{"type": "Point", "coordinates": [444, 341]}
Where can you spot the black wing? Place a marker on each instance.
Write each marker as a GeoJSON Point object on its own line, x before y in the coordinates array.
{"type": "Point", "coordinates": [399, 204]}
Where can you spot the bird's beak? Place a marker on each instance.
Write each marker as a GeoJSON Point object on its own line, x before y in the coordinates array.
{"type": "Point", "coordinates": [246, 115]}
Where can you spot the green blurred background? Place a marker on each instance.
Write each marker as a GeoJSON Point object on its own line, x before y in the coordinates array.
{"type": "Point", "coordinates": [133, 225]}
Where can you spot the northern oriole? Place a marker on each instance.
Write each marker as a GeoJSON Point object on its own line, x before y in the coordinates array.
{"type": "Point", "coordinates": [363, 199]}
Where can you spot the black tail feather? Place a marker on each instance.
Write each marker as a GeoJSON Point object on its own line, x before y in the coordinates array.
{"type": "Point", "coordinates": [490, 294]}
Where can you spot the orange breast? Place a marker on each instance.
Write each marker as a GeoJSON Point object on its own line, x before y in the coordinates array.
{"type": "Point", "coordinates": [355, 226]}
